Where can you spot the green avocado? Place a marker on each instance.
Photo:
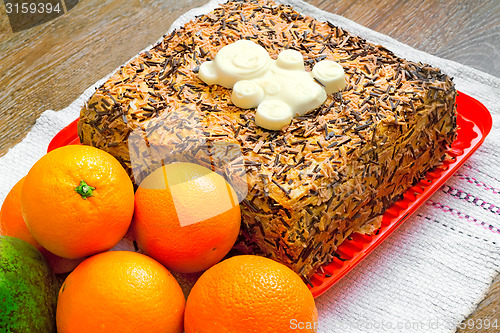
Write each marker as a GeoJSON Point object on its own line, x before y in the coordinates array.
{"type": "Point", "coordinates": [28, 289]}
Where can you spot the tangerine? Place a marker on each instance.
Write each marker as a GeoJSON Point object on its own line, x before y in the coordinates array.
{"type": "Point", "coordinates": [77, 201]}
{"type": "Point", "coordinates": [120, 291]}
{"type": "Point", "coordinates": [11, 217]}
{"type": "Point", "coordinates": [186, 216]}
{"type": "Point", "coordinates": [249, 293]}
{"type": "Point", "coordinates": [12, 224]}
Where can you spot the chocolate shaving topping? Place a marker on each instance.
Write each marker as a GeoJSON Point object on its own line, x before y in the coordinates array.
{"type": "Point", "coordinates": [323, 176]}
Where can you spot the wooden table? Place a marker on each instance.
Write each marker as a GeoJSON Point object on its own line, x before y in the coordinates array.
{"type": "Point", "coordinates": [48, 66]}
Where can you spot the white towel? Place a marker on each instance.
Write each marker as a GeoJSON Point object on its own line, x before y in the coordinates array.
{"type": "Point", "coordinates": [434, 270]}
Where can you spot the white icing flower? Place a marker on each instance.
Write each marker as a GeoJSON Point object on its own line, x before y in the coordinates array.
{"type": "Point", "coordinates": [280, 89]}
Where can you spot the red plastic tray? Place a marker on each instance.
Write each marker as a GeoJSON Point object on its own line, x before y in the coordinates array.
{"type": "Point", "coordinates": [474, 123]}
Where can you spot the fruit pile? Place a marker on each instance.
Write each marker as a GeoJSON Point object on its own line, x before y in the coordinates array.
{"type": "Point", "coordinates": [60, 269]}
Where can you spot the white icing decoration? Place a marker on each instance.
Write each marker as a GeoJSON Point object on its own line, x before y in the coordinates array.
{"type": "Point", "coordinates": [247, 94]}
{"type": "Point", "coordinates": [330, 74]}
{"type": "Point", "coordinates": [273, 114]}
{"type": "Point", "coordinates": [242, 60]}
{"type": "Point", "coordinates": [280, 89]}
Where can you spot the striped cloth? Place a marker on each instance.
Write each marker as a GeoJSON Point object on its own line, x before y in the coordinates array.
{"type": "Point", "coordinates": [432, 272]}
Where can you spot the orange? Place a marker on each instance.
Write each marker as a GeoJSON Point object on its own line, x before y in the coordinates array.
{"type": "Point", "coordinates": [77, 201]}
{"type": "Point", "coordinates": [250, 294]}
{"type": "Point", "coordinates": [186, 216]}
{"type": "Point", "coordinates": [12, 224]}
{"type": "Point", "coordinates": [120, 291]}
{"type": "Point", "coordinates": [11, 217]}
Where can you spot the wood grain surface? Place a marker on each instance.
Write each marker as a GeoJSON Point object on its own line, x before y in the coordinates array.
{"type": "Point", "coordinates": [50, 65]}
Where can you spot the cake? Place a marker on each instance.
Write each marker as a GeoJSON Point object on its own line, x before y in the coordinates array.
{"type": "Point", "coordinates": [308, 186]}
